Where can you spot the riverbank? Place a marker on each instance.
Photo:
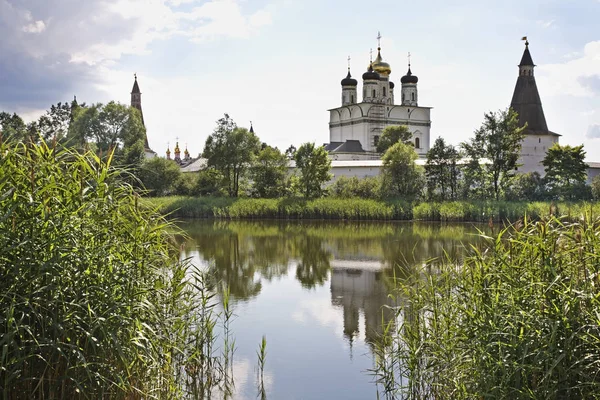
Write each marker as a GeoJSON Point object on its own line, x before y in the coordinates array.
{"type": "Point", "coordinates": [363, 209]}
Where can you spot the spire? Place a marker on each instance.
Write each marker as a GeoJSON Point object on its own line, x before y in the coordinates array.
{"type": "Point", "coordinates": [136, 88]}
{"type": "Point", "coordinates": [526, 98]}
{"type": "Point", "coordinates": [251, 127]}
{"type": "Point", "coordinates": [136, 102]}
{"type": "Point", "coordinates": [526, 60]}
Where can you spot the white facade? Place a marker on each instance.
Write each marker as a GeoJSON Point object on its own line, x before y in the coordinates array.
{"type": "Point", "coordinates": [533, 152]}
{"type": "Point", "coordinates": [363, 122]}
{"type": "Point", "coordinates": [366, 121]}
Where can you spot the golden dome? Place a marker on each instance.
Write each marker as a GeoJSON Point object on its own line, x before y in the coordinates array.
{"type": "Point", "coordinates": [177, 147]}
{"type": "Point", "coordinates": [380, 66]}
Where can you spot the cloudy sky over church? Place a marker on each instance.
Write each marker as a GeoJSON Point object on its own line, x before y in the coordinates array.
{"type": "Point", "coordinates": [279, 62]}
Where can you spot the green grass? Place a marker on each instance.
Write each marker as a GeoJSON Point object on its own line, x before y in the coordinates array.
{"type": "Point", "coordinates": [518, 319]}
{"type": "Point", "coordinates": [364, 209]}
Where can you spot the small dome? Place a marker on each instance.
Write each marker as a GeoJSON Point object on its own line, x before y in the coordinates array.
{"type": "Point", "coordinates": [409, 77]}
{"type": "Point", "coordinates": [349, 81]}
{"type": "Point", "coordinates": [380, 66]}
{"type": "Point", "coordinates": [392, 85]}
{"type": "Point", "coordinates": [370, 75]}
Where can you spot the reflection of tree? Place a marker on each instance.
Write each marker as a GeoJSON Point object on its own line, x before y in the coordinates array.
{"type": "Point", "coordinates": [313, 267]}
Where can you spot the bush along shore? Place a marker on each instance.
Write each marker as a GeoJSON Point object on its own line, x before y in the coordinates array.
{"type": "Point", "coordinates": [364, 209]}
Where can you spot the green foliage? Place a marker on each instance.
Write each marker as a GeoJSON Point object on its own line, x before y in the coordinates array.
{"type": "Point", "coordinates": [314, 165]}
{"type": "Point", "coordinates": [494, 152]}
{"type": "Point", "coordinates": [95, 301]}
{"type": "Point", "coordinates": [55, 124]}
{"type": "Point", "coordinates": [402, 177]}
{"type": "Point", "coordinates": [186, 185]}
{"type": "Point", "coordinates": [268, 173]}
{"type": "Point", "coordinates": [12, 128]}
{"type": "Point", "coordinates": [596, 187]}
{"type": "Point", "coordinates": [231, 150]}
{"type": "Point", "coordinates": [442, 171]}
{"type": "Point", "coordinates": [391, 135]}
{"type": "Point", "coordinates": [159, 175]}
{"type": "Point", "coordinates": [210, 183]}
{"type": "Point", "coordinates": [529, 186]}
{"type": "Point", "coordinates": [365, 188]}
{"type": "Point", "coordinates": [516, 320]}
{"type": "Point", "coordinates": [109, 129]}
{"type": "Point", "coordinates": [566, 171]}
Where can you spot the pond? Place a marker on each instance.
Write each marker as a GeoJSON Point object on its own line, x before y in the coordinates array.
{"type": "Point", "coordinates": [317, 291]}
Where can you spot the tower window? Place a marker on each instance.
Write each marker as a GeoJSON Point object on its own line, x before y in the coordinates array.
{"type": "Point", "coordinates": [384, 94]}
{"type": "Point", "coordinates": [540, 140]}
{"type": "Point", "coordinates": [417, 143]}
{"type": "Point", "coordinates": [376, 140]}
{"type": "Point", "coordinates": [413, 96]}
{"type": "Point", "coordinates": [352, 99]}
{"type": "Point", "coordinates": [374, 93]}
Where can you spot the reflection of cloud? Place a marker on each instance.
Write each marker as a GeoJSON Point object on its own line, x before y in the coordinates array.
{"type": "Point", "coordinates": [319, 310]}
{"type": "Point", "coordinates": [245, 380]}
{"type": "Point", "coordinates": [593, 132]}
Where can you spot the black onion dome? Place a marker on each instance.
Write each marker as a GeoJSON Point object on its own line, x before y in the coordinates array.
{"type": "Point", "coordinates": [349, 81]}
{"type": "Point", "coordinates": [370, 74]}
{"type": "Point", "coordinates": [409, 77]}
{"type": "Point", "coordinates": [392, 85]}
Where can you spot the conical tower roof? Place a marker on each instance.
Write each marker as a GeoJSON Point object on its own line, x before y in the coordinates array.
{"type": "Point", "coordinates": [526, 99]}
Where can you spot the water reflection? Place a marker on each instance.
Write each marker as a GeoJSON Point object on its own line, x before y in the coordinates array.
{"type": "Point", "coordinates": [333, 271]}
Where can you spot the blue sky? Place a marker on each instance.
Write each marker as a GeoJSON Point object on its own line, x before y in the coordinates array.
{"type": "Point", "coordinates": [279, 62]}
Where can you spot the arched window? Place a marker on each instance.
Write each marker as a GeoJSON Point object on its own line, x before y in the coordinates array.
{"type": "Point", "coordinates": [352, 99]}
{"type": "Point", "coordinates": [413, 96]}
{"type": "Point", "coordinates": [374, 93]}
{"type": "Point", "coordinates": [384, 94]}
{"type": "Point", "coordinates": [417, 143]}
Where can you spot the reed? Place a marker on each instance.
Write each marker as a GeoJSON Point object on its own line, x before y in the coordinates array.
{"type": "Point", "coordinates": [364, 209]}
{"type": "Point", "coordinates": [96, 303]}
{"type": "Point", "coordinates": [517, 319]}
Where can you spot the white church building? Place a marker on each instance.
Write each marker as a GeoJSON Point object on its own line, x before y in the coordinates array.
{"type": "Point", "coordinates": [355, 127]}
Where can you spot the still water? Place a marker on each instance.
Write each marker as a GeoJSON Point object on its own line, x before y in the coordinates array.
{"type": "Point", "coordinates": [316, 291]}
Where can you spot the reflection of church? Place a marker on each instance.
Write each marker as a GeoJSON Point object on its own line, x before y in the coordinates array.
{"type": "Point", "coordinates": [361, 290]}
{"type": "Point", "coordinates": [355, 127]}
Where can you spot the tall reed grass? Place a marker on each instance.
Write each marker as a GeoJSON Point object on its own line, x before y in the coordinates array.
{"type": "Point", "coordinates": [518, 319]}
{"type": "Point", "coordinates": [95, 302]}
{"type": "Point", "coordinates": [364, 209]}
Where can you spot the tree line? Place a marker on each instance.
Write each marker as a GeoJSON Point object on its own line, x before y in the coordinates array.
{"type": "Point", "coordinates": [237, 163]}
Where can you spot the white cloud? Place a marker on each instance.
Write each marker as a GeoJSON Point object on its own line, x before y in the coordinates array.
{"type": "Point", "coordinates": [35, 27]}
{"type": "Point", "coordinates": [546, 24]}
{"type": "Point", "coordinates": [575, 77]}
{"type": "Point", "coordinates": [593, 132]}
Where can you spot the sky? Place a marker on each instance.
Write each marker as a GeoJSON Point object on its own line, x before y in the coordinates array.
{"type": "Point", "coordinates": [279, 63]}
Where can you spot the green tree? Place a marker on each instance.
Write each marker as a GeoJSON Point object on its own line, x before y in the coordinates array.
{"type": "Point", "coordinates": [495, 151]}
{"type": "Point", "coordinates": [596, 187]}
{"type": "Point", "coordinates": [210, 182]}
{"type": "Point", "coordinates": [392, 135]}
{"type": "Point", "coordinates": [56, 122]}
{"type": "Point", "coordinates": [402, 176]}
{"type": "Point", "coordinates": [314, 165]}
{"type": "Point", "coordinates": [529, 186]}
{"type": "Point", "coordinates": [231, 150]}
{"type": "Point", "coordinates": [111, 127]}
{"type": "Point", "coordinates": [566, 171]}
{"type": "Point", "coordinates": [442, 170]}
{"type": "Point", "coordinates": [269, 172]}
{"type": "Point", "coordinates": [12, 128]}
{"type": "Point", "coordinates": [159, 175]}
{"type": "Point", "coordinates": [291, 152]}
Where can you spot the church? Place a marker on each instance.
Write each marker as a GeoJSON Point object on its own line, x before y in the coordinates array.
{"type": "Point", "coordinates": [355, 127]}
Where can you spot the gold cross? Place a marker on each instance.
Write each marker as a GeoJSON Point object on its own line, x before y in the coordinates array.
{"type": "Point", "coordinates": [378, 39]}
